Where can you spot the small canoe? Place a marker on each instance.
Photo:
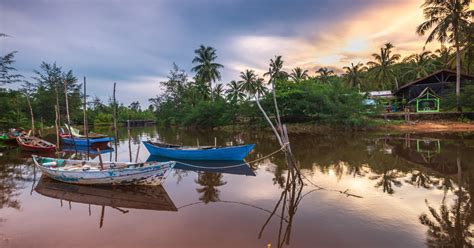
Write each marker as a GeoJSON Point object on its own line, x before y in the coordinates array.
{"type": "Point", "coordinates": [77, 141]}
{"type": "Point", "coordinates": [131, 197]}
{"type": "Point", "coordinates": [34, 144]}
{"type": "Point", "coordinates": [10, 136]}
{"type": "Point", "coordinates": [75, 132]}
{"type": "Point", "coordinates": [109, 173]}
{"type": "Point", "coordinates": [198, 152]}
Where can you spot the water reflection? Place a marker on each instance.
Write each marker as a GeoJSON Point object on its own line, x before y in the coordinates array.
{"type": "Point", "coordinates": [119, 198]}
{"type": "Point", "coordinates": [402, 169]}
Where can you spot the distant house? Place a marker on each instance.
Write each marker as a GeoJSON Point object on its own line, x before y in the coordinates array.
{"type": "Point", "coordinates": [441, 83]}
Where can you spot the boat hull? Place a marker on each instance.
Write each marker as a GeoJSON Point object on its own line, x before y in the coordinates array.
{"type": "Point", "coordinates": [154, 173]}
{"type": "Point", "coordinates": [221, 153]}
{"type": "Point", "coordinates": [32, 148]}
{"type": "Point", "coordinates": [83, 142]}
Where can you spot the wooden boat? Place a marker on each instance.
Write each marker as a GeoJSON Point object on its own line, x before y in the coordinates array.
{"type": "Point", "coordinates": [132, 197]}
{"type": "Point", "coordinates": [73, 138]}
{"type": "Point", "coordinates": [198, 152]}
{"type": "Point", "coordinates": [34, 144]}
{"type": "Point", "coordinates": [10, 136]}
{"type": "Point", "coordinates": [235, 167]}
{"type": "Point", "coordinates": [113, 173]}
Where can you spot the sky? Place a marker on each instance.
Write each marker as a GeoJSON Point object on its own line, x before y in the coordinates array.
{"type": "Point", "coordinates": [135, 43]}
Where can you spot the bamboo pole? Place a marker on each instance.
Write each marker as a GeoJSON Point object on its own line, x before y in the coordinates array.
{"type": "Point", "coordinates": [114, 103]}
{"type": "Point", "coordinates": [102, 217]}
{"type": "Point", "coordinates": [138, 152]}
{"type": "Point", "coordinates": [67, 103]}
{"type": "Point", "coordinates": [31, 114]}
{"type": "Point", "coordinates": [100, 159]}
{"type": "Point", "coordinates": [86, 124]}
{"type": "Point", "coordinates": [129, 140]}
{"type": "Point", "coordinates": [57, 126]}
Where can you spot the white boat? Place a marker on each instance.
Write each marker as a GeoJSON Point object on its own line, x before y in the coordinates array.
{"type": "Point", "coordinates": [106, 173]}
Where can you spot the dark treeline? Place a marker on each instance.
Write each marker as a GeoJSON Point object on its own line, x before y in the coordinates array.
{"type": "Point", "coordinates": [48, 88]}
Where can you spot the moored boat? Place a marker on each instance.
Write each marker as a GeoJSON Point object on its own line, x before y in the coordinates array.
{"type": "Point", "coordinates": [34, 144]}
{"type": "Point", "coordinates": [198, 152]}
{"type": "Point", "coordinates": [98, 173]}
{"type": "Point", "coordinates": [73, 138]}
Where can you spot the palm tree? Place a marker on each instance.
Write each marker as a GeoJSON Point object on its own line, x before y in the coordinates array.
{"type": "Point", "coordinates": [419, 65]}
{"type": "Point", "coordinates": [207, 71]}
{"type": "Point", "coordinates": [325, 74]}
{"type": "Point", "coordinates": [218, 91]}
{"type": "Point", "coordinates": [234, 92]}
{"type": "Point", "coordinates": [448, 20]}
{"type": "Point", "coordinates": [274, 71]}
{"type": "Point", "coordinates": [354, 74]}
{"type": "Point", "coordinates": [248, 82]}
{"type": "Point", "coordinates": [444, 57]}
{"type": "Point", "coordinates": [298, 74]}
{"type": "Point", "coordinates": [468, 49]}
{"type": "Point", "coordinates": [382, 66]}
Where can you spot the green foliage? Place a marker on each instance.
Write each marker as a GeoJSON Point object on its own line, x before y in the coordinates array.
{"type": "Point", "coordinates": [466, 100]}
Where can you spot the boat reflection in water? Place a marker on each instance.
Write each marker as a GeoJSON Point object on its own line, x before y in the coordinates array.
{"type": "Point", "coordinates": [117, 197]}
{"type": "Point", "coordinates": [238, 167]}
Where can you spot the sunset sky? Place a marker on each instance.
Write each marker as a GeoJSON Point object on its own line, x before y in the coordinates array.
{"type": "Point", "coordinates": [134, 43]}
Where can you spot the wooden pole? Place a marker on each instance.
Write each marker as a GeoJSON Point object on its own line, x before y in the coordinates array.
{"type": "Point", "coordinates": [57, 126]}
{"type": "Point", "coordinates": [138, 151]}
{"type": "Point", "coordinates": [67, 103]}
{"type": "Point", "coordinates": [100, 159]}
{"type": "Point", "coordinates": [215, 141]}
{"type": "Point", "coordinates": [129, 140]}
{"type": "Point", "coordinates": [114, 103]}
{"type": "Point", "coordinates": [86, 123]}
{"type": "Point", "coordinates": [31, 113]}
{"type": "Point", "coordinates": [102, 217]}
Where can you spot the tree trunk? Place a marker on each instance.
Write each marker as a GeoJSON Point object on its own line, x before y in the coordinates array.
{"type": "Point", "coordinates": [269, 121]}
{"type": "Point", "coordinates": [32, 116]}
{"type": "Point", "coordinates": [458, 77]}
{"type": "Point", "coordinates": [278, 121]}
{"type": "Point", "coordinates": [67, 103]}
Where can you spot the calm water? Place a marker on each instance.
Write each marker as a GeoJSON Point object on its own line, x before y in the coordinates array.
{"type": "Point", "coordinates": [401, 190]}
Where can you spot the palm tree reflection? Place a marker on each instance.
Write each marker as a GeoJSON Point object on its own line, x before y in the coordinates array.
{"type": "Point", "coordinates": [210, 181]}
{"type": "Point", "coordinates": [386, 180]}
{"type": "Point", "coordinates": [450, 226]}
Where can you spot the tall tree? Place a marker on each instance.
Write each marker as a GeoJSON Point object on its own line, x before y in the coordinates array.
{"type": "Point", "coordinates": [354, 74]}
{"type": "Point", "coordinates": [298, 74]}
{"type": "Point", "coordinates": [7, 71]}
{"type": "Point", "coordinates": [275, 72]}
{"type": "Point", "coordinates": [218, 91]}
{"type": "Point", "coordinates": [419, 65]}
{"type": "Point", "coordinates": [248, 82]}
{"type": "Point", "coordinates": [447, 20]}
{"type": "Point", "coordinates": [444, 57]}
{"type": "Point", "coordinates": [324, 74]}
{"type": "Point", "coordinates": [234, 92]}
{"type": "Point", "coordinates": [382, 66]}
{"type": "Point", "coordinates": [207, 70]}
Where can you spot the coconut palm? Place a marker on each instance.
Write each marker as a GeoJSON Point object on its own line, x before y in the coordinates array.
{"type": "Point", "coordinates": [207, 71]}
{"type": "Point", "coordinates": [298, 74]}
{"type": "Point", "coordinates": [247, 84]}
{"type": "Point", "coordinates": [467, 51]}
{"type": "Point", "coordinates": [382, 66]}
{"type": "Point", "coordinates": [234, 92]}
{"type": "Point", "coordinates": [218, 91]}
{"type": "Point", "coordinates": [419, 65]}
{"type": "Point", "coordinates": [354, 74]}
{"type": "Point", "coordinates": [325, 74]}
{"type": "Point", "coordinates": [275, 72]}
{"type": "Point", "coordinates": [447, 20]}
{"type": "Point", "coordinates": [445, 58]}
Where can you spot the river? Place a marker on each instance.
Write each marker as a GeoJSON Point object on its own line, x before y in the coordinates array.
{"type": "Point", "coordinates": [361, 189]}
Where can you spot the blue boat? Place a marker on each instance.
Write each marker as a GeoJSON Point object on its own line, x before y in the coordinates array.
{"type": "Point", "coordinates": [198, 152]}
{"type": "Point", "coordinates": [76, 141]}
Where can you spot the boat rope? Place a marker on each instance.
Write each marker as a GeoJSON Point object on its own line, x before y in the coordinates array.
{"type": "Point", "coordinates": [235, 165]}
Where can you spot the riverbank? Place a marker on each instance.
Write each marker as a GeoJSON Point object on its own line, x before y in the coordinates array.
{"type": "Point", "coordinates": [421, 126]}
